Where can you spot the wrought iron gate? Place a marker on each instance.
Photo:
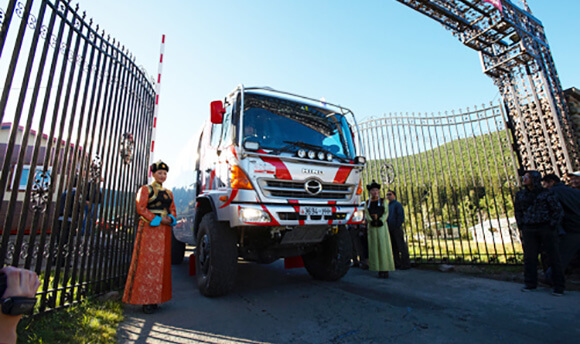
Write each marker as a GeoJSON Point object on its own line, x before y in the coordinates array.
{"type": "Point", "coordinates": [455, 174]}
{"type": "Point", "coordinates": [76, 115]}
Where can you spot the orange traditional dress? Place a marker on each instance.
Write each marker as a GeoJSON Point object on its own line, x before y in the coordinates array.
{"type": "Point", "coordinates": [149, 279]}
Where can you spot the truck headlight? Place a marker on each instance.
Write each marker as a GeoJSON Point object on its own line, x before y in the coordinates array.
{"type": "Point", "coordinates": [301, 153]}
{"type": "Point", "coordinates": [311, 154]}
{"type": "Point", "coordinates": [253, 215]}
{"type": "Point", "coordinates": [358, 216]}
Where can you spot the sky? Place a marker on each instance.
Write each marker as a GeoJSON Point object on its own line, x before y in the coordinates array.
{"type": "Point", "coordinates": [374, 57]}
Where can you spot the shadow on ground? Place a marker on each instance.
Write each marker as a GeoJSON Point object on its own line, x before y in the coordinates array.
{"type": "Point", "coordinates": [274, 305]}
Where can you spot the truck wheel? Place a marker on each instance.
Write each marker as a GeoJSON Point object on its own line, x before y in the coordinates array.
{"type": "Point", "coordinates": [331, 259]}
{"type": "Point", "coordinates": [216, 256]}
{"type": "Point", "coordinates": [177, 250]}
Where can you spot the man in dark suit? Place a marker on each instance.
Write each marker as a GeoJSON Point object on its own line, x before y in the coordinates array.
{"type": "Point", "coordinates": [395, 221]}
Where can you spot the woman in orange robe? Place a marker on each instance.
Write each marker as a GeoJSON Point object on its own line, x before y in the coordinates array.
{"type": "Point", "coordinates": [149, 279]}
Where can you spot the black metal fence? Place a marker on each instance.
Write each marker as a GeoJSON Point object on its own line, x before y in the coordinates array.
{"type": "Point", "coordinates": [455, 174]}
{"type": "Point", "coordinates": [77, 115]}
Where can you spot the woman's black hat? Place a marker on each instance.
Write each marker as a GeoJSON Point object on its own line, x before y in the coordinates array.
{"type": "Point", "coordinates": [373, 185]}
{"type": "Point", "coordinates": [159, 165]}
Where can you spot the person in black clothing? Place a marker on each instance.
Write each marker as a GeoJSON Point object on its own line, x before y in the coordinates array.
{"type": "Point", "coordinates": [395, 221]}
{"type": "Point", "coordinates": [86, 208]}
{"type": "Point", "coordinates": [570, 200]}
{"type": "Point", "coordinates": [538, 214]}
{"type": "Point", "coordinates": [359, 245]}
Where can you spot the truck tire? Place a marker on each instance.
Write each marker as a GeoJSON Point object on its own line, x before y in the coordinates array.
{"type": "Point", "coordinates": [216, 256]}
{"type": "Point", "coordinates": [331, 259]}
{"type": "Point", "coordinates": [177, 250]}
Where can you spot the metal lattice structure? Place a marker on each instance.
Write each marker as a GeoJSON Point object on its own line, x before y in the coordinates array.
{"type": "Point", "coordinates": [515, 53]}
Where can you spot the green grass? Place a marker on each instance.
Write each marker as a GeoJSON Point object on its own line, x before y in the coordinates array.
{"type": "Point", "coordinates": [91, 321]}
{"type": "Point", "coordinates": [466, 251]}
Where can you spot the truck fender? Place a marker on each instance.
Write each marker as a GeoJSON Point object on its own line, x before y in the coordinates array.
{"type": "Point", "coordinates": [203, 206]}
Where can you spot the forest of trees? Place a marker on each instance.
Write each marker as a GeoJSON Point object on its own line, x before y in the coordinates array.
{"type": "Point", "coordinates": [183, 198]}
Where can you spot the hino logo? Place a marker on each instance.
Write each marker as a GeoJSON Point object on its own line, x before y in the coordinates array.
{"type": "Point", "coordinates": [313, 187]}
{"type": "Point", "coordinates": [311, 171]}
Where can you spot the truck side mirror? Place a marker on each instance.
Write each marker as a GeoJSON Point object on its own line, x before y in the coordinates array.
{"type": "Point", "coordinates": [217, 112]}
{"type": "Point", "coordinates": [360, 160]}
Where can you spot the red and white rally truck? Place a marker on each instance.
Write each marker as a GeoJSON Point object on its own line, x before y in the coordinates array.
{"type": "Point", "coordinates": [277, 175]}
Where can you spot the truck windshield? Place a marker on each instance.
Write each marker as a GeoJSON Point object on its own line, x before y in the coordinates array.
{"type": "Point", "coordinates": [273, 122]}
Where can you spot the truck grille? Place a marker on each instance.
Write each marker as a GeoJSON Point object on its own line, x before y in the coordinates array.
{"type": "Point", "coordinates": [296, 190]}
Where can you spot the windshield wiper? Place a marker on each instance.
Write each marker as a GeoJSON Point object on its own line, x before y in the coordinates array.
{"type": "Point", "coordinates": [305, 145]}
{"type": "Point", "coordinates": [286, 148]}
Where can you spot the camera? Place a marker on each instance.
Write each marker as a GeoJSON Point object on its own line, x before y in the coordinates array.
{"type": "Point", "coordinates": [16, 305]}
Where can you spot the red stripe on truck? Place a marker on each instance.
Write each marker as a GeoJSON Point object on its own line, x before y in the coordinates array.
{"type": "Point", "coordinates": [342, 174]}
{"type": "Point", "coordinates": [232, 196]}
{"type": "Point", "coordinates": [281, 169]}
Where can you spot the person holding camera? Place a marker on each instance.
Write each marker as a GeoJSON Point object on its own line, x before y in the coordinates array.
{"type": "Point", "coordinates": [17, 297]}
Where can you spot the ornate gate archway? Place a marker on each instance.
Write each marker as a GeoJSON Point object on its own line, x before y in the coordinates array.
{"type": "Point", "coordinates": [515, 53]}
{"type": "Point", "coordinates": [456, 173]}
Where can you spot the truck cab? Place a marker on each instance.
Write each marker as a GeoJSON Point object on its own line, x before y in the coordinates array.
{"type": "Point", "coordinates": [278, 175]}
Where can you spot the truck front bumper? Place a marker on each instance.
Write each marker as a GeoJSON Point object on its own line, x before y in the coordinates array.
{"type": "Point", "coordinates": [291, 215]}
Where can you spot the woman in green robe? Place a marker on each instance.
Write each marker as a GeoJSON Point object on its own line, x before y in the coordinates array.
{"type": "Point", "coordinates": [380, 251]}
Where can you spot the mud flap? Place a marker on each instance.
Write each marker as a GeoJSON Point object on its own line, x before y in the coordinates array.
{"type": "Point", "coordinates": [293, 262]}
{"type": "Point", "coordinates": [192, 264]}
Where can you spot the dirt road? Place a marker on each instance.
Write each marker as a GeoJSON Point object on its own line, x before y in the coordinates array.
{"type": "Point", "coordinates": [274, 305]}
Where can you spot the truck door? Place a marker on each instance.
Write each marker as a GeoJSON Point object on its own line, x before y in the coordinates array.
{"type": "Point", "coordinates": [207, 157]}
